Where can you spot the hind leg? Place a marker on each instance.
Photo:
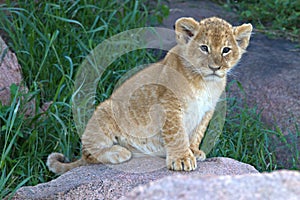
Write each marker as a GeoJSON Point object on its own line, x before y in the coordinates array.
{"type": "Point", "coordinates": [114, 155]}
{"type": "Point", "coordinates": [98, 141]}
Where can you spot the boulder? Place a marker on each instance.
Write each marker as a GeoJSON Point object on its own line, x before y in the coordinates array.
{"type": "Point", "coordinates": [10, 72]}
{"type": "Point", "coordinates": [276, 185]}
{"type": "Point", "coordinates": [114, 181]}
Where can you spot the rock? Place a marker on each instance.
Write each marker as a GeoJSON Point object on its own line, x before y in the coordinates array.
{"type": "Point", "coordinates": [112, 182]}
{"type": "Point", "coordinates": [275, 185]}
{"type": "Point", "coordinates": [10, 72]}
{"type": "Point", "coordinates": [196, 9]}
{"type": "Point", "coordinates": [270, 76]}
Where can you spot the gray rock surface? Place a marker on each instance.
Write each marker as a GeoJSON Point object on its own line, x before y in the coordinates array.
{"type": "Point", "coordinates": [112, 182]}
{"type": "Point", "coordinates": [270, 75]}
{"type": "Point", "coordinates": [276, 185]}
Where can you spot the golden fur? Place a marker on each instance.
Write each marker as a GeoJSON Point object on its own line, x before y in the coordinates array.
{"type": "Point", "coordinates": [164, 109]}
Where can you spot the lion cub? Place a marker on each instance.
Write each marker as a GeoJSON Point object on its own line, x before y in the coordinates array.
{"type": "Point", "coordinates": [168, 115]}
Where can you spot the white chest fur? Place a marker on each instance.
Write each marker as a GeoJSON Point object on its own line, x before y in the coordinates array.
{"type": "Point", "coordinates": [201, 102]}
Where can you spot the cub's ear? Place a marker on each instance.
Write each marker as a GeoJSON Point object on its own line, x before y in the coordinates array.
{"type": "Point", "coordinates": [186, 28]}
{"type": "Point", "coordinates": [242, 35]}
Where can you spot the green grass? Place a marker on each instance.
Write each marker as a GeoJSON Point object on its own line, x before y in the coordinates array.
{"type": "Point", "coordinates": [50, 41]}
{"type": "Point", "coordinates": [275, 17]}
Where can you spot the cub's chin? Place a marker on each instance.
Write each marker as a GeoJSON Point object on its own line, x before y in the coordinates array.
{"type": "Point", "coordinates": [214, 77]}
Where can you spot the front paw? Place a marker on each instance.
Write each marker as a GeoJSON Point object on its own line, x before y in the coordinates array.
{"type": "Point", "coordinates": [199, 154]}
{"type": "Point", "coordinates": [186, 162]}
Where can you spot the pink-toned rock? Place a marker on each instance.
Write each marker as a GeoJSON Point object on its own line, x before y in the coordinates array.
{"type": "Point", "coordinates": [276, 185]}
{"type": "Point", "coordinates": [10, 72]}
{"type": "Point", "coordinates": [112, 182]}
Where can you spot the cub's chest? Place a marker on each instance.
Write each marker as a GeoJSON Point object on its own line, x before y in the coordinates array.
{"type": "Point", "coordinates": [195, 109]}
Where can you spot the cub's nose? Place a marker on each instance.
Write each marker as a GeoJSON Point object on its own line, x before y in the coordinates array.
{"type": "Point", "coordinates": [214, 68]}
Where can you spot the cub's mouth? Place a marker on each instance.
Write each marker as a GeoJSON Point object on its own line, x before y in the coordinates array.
{"type": "Point", "coordinates": [214, 75]}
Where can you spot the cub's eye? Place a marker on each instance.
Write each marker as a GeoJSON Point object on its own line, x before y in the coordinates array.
{"type": "Point", "coordinates": [225, 50]}
{"type": "Point", "coordinates": [204, 48]}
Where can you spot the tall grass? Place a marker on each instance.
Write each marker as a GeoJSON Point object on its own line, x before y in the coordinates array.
{"type": "Point", "coordinates": [50, 39]}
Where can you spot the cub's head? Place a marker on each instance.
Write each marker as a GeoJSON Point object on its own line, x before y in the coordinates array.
{"type": "Point", "coordinates": [212, 46]}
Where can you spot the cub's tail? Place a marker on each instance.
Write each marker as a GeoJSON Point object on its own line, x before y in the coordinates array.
{"type": "Point", "coordinates": [58, 163]}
